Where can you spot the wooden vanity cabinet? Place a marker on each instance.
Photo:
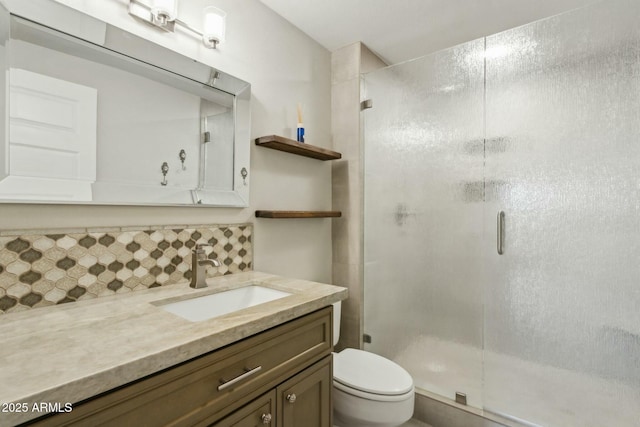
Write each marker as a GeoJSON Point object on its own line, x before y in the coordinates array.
{"type": "Point", "coordinates": [231, 386]}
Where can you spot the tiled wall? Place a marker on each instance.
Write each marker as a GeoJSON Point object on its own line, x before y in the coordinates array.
{"type": "Point", "coordinates": [437, 411]}
{"type": "Point", "coordinates": [347, 64]}
{"type": "Point", "coordinates": [46, 267]}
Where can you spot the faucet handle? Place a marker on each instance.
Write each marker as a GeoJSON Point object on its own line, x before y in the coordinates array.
{"type": "Point", "coordinates": [200, 247]}
{"type": "Point", "coordinates": [200, 252]}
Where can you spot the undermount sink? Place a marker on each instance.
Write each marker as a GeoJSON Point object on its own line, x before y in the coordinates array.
{"type": "Point", "coordinates": [221, 303]}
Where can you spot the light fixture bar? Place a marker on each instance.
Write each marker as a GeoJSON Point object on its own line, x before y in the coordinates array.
{"type": "Point", "coordinates": [188, 27]}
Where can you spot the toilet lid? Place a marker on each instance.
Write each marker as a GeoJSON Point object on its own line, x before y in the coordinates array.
{"type": "Point", "coordinates": [370, 373]}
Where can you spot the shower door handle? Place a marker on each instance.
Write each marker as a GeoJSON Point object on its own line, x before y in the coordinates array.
{"type": "Point", "coordinates": [500, 228]}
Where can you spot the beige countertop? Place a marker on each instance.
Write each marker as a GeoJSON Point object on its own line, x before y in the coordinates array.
{"type": "Point", "coordinates": [67, 353]}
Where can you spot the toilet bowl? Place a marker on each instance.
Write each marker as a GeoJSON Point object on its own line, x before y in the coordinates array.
{"type": "Point", "coordinates": [368, 390]}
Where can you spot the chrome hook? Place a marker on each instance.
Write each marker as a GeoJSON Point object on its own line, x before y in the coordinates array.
{"type": "Point", "coordinates": [244, 174]}
{"type": "Point", "coordinates": [182, 155]}
{"type": "Point", "coordinates": [165, 170]}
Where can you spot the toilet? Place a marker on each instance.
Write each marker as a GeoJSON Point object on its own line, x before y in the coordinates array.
{"type": "Point", "coordinates": [368, 390]}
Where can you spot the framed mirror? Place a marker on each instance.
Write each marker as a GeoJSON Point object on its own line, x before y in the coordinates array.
{"type": "Point", "coordinates": [96, 115]}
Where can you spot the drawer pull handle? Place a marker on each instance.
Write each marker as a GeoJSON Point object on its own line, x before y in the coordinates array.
{"type": "Point", "coordinates": [239, 378]}
{"type": "Point", "coordinates": [266, 418]}
{"type": "Point", "coordinates": [291, 398]}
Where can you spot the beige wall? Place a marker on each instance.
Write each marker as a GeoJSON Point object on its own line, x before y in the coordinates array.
{"type": "Point", "coordinates": [284, 67]}
{"type": "Point", "coordinates": [348, 63]}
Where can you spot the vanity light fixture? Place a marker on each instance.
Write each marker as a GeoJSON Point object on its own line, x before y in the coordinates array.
{"type": "Point", "coordinates": [164, 15]}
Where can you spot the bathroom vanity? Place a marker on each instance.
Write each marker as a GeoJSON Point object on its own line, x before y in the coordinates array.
{"type": "Point", "coordinates": [267, 364]}
{"type": "Point", "coordinates": [285, 368]}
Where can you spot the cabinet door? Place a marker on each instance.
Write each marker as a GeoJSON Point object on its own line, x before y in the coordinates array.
{"type": "Point", "coordinates": [305, 399]}
{"type": "Point", "coordinates": [260, 412]}
{"type": "Point", "coordinates": [52, 138]}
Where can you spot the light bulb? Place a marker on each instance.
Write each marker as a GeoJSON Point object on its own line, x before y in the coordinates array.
{"type": "Point", "coordinates": [213, 26]}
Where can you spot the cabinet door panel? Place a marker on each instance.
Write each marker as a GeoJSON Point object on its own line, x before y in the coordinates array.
{"type": "Point", "coordinates": [305, 400]}
{"type": "Point", "coordinates": [260, 412]}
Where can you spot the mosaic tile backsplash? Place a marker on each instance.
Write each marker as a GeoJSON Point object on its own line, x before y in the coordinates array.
{"type": "Point", "coordinates": [41, 268]}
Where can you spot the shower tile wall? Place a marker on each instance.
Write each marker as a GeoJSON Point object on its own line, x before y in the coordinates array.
{"type": "Point", "coordinates": [46, 267]}
{"type": "Point", "coordinates": [347, 64]}
{"type": "Point", "coordinates": [438, 414]}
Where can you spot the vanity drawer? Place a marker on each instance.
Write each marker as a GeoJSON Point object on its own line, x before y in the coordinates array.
{"type": "Point", "coordinates": [209, 387]}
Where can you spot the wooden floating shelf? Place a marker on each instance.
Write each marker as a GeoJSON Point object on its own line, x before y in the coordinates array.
{"type": "Point", "coordinates": [294, 147]}
{"type": "Point", "coordinates": [298, 214]}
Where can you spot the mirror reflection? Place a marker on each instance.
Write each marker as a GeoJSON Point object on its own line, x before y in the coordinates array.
{"type": "Point", "coordinates": [95, 124]}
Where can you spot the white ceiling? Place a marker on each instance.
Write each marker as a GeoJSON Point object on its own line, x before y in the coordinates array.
{"type": "Point", "coordinates": [398, 30]}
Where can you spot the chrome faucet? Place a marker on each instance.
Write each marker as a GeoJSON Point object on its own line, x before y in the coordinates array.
{"type": "Point", "coordinates": [199, 262]}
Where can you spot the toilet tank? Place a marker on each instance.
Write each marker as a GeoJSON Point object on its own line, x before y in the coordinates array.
{"type": "Point", "coordinates": [337, 310]}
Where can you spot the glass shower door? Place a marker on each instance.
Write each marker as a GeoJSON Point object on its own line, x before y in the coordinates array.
{"type": "Point", "coordinates": [562, 324]}
{"type": "Point", "coordinates": [423, 218]}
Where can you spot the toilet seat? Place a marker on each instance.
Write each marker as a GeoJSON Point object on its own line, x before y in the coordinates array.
{"type": "Point", "coordinates": [370, 376]}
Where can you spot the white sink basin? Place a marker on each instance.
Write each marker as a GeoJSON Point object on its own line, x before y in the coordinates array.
{"type": "Point", "coordinates": [214, 305]}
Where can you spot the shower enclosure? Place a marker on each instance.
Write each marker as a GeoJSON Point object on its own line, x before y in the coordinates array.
{"type": "Point", "coordinates": [502, 219]}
